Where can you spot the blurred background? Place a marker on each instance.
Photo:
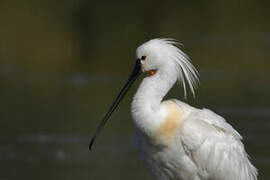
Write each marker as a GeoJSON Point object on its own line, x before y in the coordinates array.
{"type": "Point", "coordinates": [63, 62]}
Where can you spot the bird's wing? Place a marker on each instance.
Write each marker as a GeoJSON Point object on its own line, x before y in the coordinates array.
{"type": "Point", "coordinates": [214, 146]}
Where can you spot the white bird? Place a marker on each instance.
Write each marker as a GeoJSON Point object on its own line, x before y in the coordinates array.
{"type": "Point", "coordinates": [177, 141]}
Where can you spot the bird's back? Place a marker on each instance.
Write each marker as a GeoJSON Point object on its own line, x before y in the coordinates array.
{"type": "Point", "coordinates": [215, 146]}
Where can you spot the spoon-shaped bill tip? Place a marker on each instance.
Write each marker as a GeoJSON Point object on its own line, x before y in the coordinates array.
{"type": "Point", "coordinates": [92, 142]}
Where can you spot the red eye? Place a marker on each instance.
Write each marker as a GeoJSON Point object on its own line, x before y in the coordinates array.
{"type": "Point", "coordinates": [143, 57]}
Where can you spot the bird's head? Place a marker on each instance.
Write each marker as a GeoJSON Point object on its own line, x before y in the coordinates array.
{"type": "Point", "coordinates": [162, 56]}
{"type": "Point", "coordinates": [154, 55]}
{"type": "Point", "coordinates": [157, 56]}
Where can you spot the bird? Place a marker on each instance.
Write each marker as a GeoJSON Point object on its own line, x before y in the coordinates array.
{"type": "Point", "coordinates": [175, 140]}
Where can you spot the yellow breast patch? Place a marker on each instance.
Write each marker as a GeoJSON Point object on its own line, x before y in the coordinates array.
{"type": "Point", "coordinates": [171, 123]}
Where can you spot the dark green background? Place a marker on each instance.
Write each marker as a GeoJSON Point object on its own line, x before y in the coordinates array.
{"type": "Point", "coordinates": [62, 63]}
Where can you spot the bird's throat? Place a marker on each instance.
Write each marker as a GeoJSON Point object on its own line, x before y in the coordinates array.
{"type": "Point", "coordinates": [146, 105]}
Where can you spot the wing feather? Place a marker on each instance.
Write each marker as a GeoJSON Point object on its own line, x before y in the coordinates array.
{"type": "Point", "coordinates": [214, 146]}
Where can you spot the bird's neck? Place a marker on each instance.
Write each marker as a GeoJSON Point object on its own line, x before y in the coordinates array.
{"type": "Point", "coordinates": [146, 107]}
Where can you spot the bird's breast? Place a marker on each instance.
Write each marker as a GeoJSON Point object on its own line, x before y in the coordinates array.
{"type": "Point", "coordinates": [160, 124]}
{"type": "Point", "coordinates": [169, 127]}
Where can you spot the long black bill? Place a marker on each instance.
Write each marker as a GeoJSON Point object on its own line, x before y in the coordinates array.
{"type": "Point", "coordinates": [135, 73]}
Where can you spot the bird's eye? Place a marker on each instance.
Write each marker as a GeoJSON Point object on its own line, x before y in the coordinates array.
{"type": "Point", "coordinates": [143, 57]}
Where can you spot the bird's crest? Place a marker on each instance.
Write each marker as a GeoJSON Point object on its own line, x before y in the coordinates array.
{"type": "Point", "coordinates": [186, 72]}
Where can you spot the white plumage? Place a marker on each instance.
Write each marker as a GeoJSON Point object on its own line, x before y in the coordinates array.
{"type": "Point", "coordinates": [177, 141]}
